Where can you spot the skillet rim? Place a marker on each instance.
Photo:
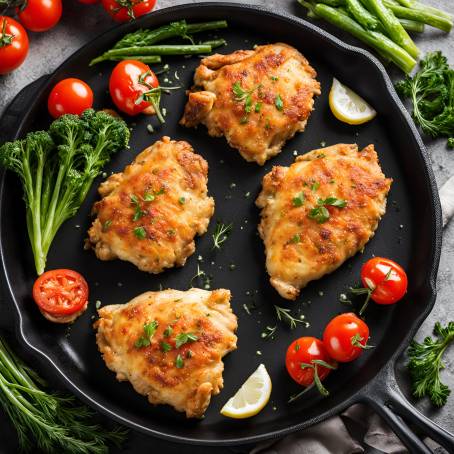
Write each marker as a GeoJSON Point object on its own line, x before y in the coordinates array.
{"type": "Point", "coordinates": [436, 237]}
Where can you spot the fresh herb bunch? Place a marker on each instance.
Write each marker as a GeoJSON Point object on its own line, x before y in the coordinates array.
{"type": "Point", "coordinates": [431, 91]}
{"type": "Point", "coordinates": [57, 168]}
{"type": "Point", "coordinates": [426, 363]}
{"type": "Point", "coordinates": [49, 422]}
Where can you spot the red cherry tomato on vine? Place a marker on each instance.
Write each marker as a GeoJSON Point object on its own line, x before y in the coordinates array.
{"type": "Point", "coordinates": [13, 44]}
{"type": "Point", "coordinates": [69, 96]}
{"type": "Point", "coordinates": [305, 358]}
{"type": "Point", "coordinates": [40, 15]}
{"type": "Point", "coordinates": [128, 81]}
{"type": "Point", "coordinates": [386, 279]}
{"type": "Point", "coordinates": [126, 10]}
{"type": "Point", "coordinates": [345, 337]}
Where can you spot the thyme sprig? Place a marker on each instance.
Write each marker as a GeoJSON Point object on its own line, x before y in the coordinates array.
{"type": "Point", "coordinates": [283, 314]}
{"type": "Point", "coordinates": [221, 233]}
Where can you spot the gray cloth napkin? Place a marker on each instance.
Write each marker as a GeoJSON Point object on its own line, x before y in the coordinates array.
{"type": "Point", "coordinates": [332, 436]}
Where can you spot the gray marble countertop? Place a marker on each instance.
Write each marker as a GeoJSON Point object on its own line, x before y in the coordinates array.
{"type": "Point", "coordinates": [81, 23]}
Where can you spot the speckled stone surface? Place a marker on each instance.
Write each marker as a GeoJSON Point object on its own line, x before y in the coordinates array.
{"type": "Point", "coordinates": [81, 23]}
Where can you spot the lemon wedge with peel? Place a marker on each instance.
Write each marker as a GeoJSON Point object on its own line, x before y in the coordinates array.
{"type": "Point", "coordinates": [347, 106]}
{"type": "Point", "coordinates": [250, 399]}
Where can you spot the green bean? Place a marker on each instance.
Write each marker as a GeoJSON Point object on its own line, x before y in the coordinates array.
{"type": "Point", "coordinates": [427, 17]}
{"type": "Point", "coordinates": [406, 3]}
{"type": "Point", "coordinates": [386, 47]}
{"type": "Point", "coordinates": [412, 25]}
{"type": "Point", "coordinates": [392, 26]}
{"type": "Point", "coordinates": [361, 14]}
{"type": "Point", "coordinates": [215, 43]}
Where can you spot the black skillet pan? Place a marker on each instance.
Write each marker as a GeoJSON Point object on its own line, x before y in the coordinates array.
{"type": "Point", "coordinates": [410, 233]}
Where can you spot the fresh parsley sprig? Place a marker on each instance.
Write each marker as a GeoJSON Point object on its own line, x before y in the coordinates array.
{"type": "Point", "coordinates": [431, 91]}
{"type": "Point", "coordinates": [320, 212]}
{"type": "Point", "coordinates": [425, 364]}
{"type": "Point", "coordinates": [245, 96]}
{"type": "Point", "coordinates": [149, 330]}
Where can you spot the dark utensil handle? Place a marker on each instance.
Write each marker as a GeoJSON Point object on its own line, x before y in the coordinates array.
{"type": "Point", "coordinates": [385, 397]}
{"type": "Point", "coordinates": [14, 113]}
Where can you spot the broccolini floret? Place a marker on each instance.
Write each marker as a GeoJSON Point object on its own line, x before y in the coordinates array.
{"type": "Point", "coordinates": [57, 169]}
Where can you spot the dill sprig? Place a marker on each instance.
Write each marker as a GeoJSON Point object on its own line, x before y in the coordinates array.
{"type": "Point", "coordinates": [49, 422]}
{"type": "Point", "coordinates": [283, 314]}
{"type": "Point", "coordinates": [221, 233]}
{"type": "Point", "coordinates": [426, 363]}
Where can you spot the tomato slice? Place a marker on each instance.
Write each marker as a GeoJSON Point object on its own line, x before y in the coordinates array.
{"type": "Point", "coordinates": [60, 292]}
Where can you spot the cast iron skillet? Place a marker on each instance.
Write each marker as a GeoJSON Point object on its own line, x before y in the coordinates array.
{"type": "Point", "coordinates": [410, 233]}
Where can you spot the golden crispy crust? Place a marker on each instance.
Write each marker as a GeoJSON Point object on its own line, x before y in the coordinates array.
{"type": "Point", "coordinates": [298, 249]}
{"type": "Point", "coordinates": [152, 371]}
{"type": "Point", "coordinates": [268, 72]}
{"type": "Point", "coordinates": [175, 178]}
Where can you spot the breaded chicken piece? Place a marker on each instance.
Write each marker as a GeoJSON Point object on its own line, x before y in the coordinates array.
{"type": "Point", "coordinates": [169, 345]}
{"type": "Point", "coordinates": [319, 212]}
{"type": "Point", "coordinates": [150, 213]}
{"type": "Point", "coordinates": [258, 99]}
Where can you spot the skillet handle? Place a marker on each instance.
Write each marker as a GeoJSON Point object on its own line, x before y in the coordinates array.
{"type": "Point", "coordinates": [385, 397]}
{"type": "Point", "coordinates": [16, 110]}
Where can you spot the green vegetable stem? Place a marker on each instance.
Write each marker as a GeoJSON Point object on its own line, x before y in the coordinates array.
{"type": "Point", "coordinates": [57, 168]}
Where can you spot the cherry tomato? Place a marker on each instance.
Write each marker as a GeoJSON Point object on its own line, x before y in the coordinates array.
{"type": "Point", "coordinates": [125, 87]}
{"type": "Point", "coordinates": [126, 10]}
{"type": "Point", "coordinates": [69, 96]}
{"type": "Point", "coordinates": [345, 337]}
{"type": "Point", "coordinates": [60, 292]}
{"type": "Point", "coordinates": [386, 279]}
{"type": "Point", "coordinates": [40, 15]}
{"type": "Point", "coordinates": [13, 44]}
{"type": "Point", "coordinates": [300, 364]}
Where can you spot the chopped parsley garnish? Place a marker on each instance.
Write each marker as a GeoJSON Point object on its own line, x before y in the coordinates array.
{"type": "Point", "coordinates": [295, 239]}
{"type": "Point", "coordinates": [267, 124]}
{"type": "Point", "coordinates": [140, 233]}
{"type": "Point", "coordinates": [274, 78]}
{"type": "Point", "coordinates": [138, 213]}
{"type": "Point", "coordinates": [299, 200]}
{"type": "Point", "coordinates": [179, 363]}
{"type": "Point", "coordinates": [245, 96]}
{"type": "Point", "coordinates": [315, 185]}
{"type": "Point", "coordinates": [148, 197]}
{"type": "Point", "coordinates": [165, 347]}
{"type": "Point", "coordinates": [182, 200]}
{"type": "Point", "coordinates": [258, 107]}
{"type": "Point", "coordinates": [149, 329]}
{"type": "Point", "coordinates": [106, 225]}
{"type": "Point", "coordinates": [184, 338]}
{"type": "Point", "coordinates": [279, 103]}
{"type": "Point", "coordinates": [168, 331]}
{"type": "Point", "coordinates": [320, 213]}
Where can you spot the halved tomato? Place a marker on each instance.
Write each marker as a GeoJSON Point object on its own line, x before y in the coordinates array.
{"type": "Point", "coordinates": [60, 292]}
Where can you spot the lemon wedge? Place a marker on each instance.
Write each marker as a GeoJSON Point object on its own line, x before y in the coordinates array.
{"type": "Point", "coordinates": [250, 399]}
{"type": "Point", "coordinates": [347, 106]}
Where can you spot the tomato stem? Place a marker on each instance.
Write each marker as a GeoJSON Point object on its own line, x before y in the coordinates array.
{"type": "Point", "coordinates": [5, 39]}
{"type": "Point", "coordinates": [356, 341]}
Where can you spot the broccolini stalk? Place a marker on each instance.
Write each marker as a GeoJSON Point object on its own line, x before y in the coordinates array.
{"type": "Point", "coordinates": [57, 169]}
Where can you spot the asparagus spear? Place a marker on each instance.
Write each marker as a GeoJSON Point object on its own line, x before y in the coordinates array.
{"type": "Point", "coordinates": [149, 37]}
{"type": "Point", "coordinates": [158, 50]}
{"type": "Point", "coordinates": [376, 40]}
{"type": "Point", "coordinates": [412, 25]}
{"type": "Point", "coordinates": [148, 59]}
{"type": "Point", "coordinates": [392, 26]}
